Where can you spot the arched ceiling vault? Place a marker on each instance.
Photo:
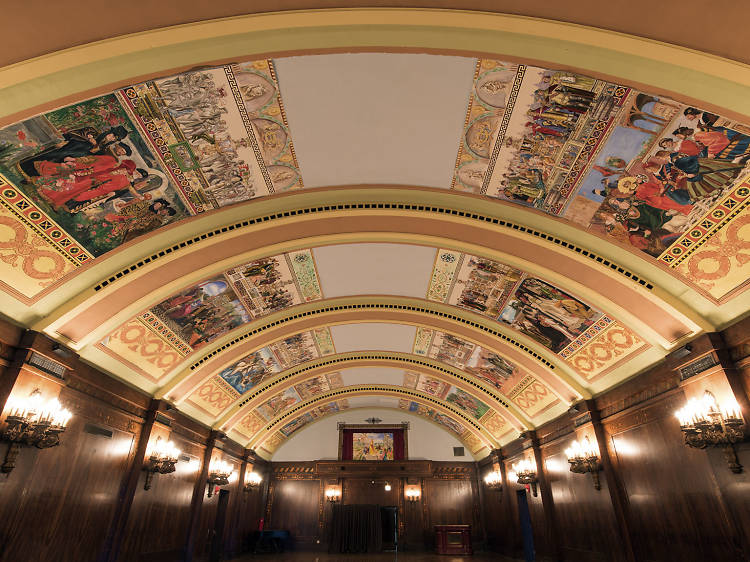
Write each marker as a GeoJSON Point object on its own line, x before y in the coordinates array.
{"type": "Point", "coordinates": [590, 216]}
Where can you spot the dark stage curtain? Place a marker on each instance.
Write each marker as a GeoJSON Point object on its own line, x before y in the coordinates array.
{"type": "Point", "coordinates": [356, 528]}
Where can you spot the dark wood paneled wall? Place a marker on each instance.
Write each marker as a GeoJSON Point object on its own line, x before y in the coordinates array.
{"type": "Point", "coordinates": [450, 494]}
{"type": "Point", "coordinates": [659, 500]}
{"type": "Point", "coordinates": [67, 503]}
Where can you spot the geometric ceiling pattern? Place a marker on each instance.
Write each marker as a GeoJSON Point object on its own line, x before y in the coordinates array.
{"type": "Point", "coordinates": [478, 241]}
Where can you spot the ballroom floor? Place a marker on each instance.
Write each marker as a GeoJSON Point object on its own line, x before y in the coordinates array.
{"type": "Point", "coordinates": [383, 557]}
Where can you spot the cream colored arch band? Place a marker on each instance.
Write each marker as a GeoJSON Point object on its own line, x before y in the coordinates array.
{"type": "Point", "coordinates": [96, 67]}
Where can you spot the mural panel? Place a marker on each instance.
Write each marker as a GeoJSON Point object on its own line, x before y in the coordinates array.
{"type": "Point", "coordinates": [532, 396]}
{"type": "Point", "coordinates": [557, 320]}
{"type": "Point", "coordinates": [261, 365]}
{"type": "Point", "coordinates": [208, 310]}
{"type": "Point", "coordinates": [420, 409]}
{"type": "Point", "coordinates": [104, 171]}
{"type": "Point", "coordinates": [641, 169]}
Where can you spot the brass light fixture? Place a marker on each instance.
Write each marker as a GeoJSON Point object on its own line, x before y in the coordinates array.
{"type": "Point", "coordinates": [333, 495]}
{"type": "Point", "coordinates": [494, 480]}
{"type": "Point", "coordinates": [32, 422]}
{"type": "Point", "coordinates": [706, 423]}
{"type": "Point", "coordinates": [526, 474]}
{"type": "Point", "coordinates": [413, 494]}
{"type": "Point", "coordinates": [219, 473]}
{"type": "Point", "coordinates": [162, 459]}
{"type": "Point", "coordinates": [252, 481]}
{"type": "Point", "coordinates": [584, 457]}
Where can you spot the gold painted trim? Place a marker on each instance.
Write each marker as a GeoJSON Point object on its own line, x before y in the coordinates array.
{"type": "Point", "coordinates": [272, 426]}
{"type": "Point", "coordinates": [638, 60]}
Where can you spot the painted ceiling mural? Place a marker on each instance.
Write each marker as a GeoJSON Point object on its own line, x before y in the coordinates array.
{"type": "Point", "coordinates": [194, 317]}
{"type": "Point", "coordinates": [654, 174]}
{"type": "Point", "coordinates": [584, 337]}
{"type": "Point", "coordinates": [96, 174]}
{"type": "Point", "coordinates": [665, 181]}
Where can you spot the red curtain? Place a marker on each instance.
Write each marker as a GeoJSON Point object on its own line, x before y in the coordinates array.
{"type": "Point", "coordinates": [398, 445]}
{"type": "Point", "coordinates": [347, 449]}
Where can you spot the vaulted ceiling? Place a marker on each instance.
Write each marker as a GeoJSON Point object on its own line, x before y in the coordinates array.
{"type": "Point", "coordinates": [477, 218]}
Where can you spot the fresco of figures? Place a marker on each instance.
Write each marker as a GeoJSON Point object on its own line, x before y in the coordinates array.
{"type": "Point", "coordinates": [527, 392]}
{"type": "Point", "coordinates": [115, 167]}
{"type": "Point", "coordinates": [639, 168]}
{"type": "Point", "coordinates": [260, 365]}
{"type": "Point", "coordinates": [282, 401]}
{"type": "Point", "coordinates": [88, 168]}
{"type": "Point", "coordinates": [212, 308]}
{"type": "Point", "coordinates": [532, 306]}
{"type": "Point", "coordinates": [326, 409]}
{"type": "Point", "coordinates": [203, 312]}
{"type": "Point", "coordinates": [422, 410]}
{"type": "Point", "coordinates": [455, 396]}
{"type": "Point", "coordinates": [210, 123]}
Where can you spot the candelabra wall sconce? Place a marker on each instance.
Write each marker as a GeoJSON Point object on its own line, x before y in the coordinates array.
{"type": "Point", "coordinates": [219, 473]}
{"type": "Point", "coordinates": [526, 474]}
{"type": "Point", "coordinates": [704, 422]}
{"type": "Point", "coordinates": [333, 495]}
{"type": "Point", "coordinates": [252, 481]}
{"type": "Point", "coordinates": [413, 493]}
{"type": "Point", "coordinates": [494, 480]}
{"type": "Point", "coordinates": [162, 459]}
{"type": "Point", "coordinates": [32, 422]}
{"type": "Point", "coordinates": [584, 457]}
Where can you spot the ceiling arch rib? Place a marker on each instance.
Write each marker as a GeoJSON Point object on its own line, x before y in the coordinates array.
{"type": "Point", "coordinates": [268, 431]}
{"type": "Point", "coordinates": [87, 316]}
{"type": "Point", "coordinates": [444, 383]}
{"type": "Point", "coordinates": [499, 395]}
{"type": "Point", "coordinates": [425, 316]}
{"type": "Point", "coordinates": [377, 405]}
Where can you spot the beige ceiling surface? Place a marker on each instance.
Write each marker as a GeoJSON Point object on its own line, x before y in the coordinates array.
{"type": "Point", "coordinates": [472, 239]}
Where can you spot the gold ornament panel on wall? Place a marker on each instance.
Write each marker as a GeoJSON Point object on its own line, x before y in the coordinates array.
{"type": "Point", "coordinates": [192, 318]}
{"type": "Point", "coordinates": [642, 169]}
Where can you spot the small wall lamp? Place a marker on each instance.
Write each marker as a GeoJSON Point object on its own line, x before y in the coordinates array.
{"type": "Point", "coordinates": [584, 457]}
{"type": "Point", "coordinates": [333, 495]}
{"type": "Point", "coordinates": [162, 459]}
{"type": "Point", "coordinates": [32, 422]}
{"type": "Point", "coordinates": [526, 474]}
{"type": "Point", "coordinates": [219, 473]}
{"type": "Point", "coordinates": [413, 494]}
{"type": "Point", "coordinates": [705, 422]}
{"type": "Point", "coordinates": [252, 481]}
{"type": "Point", "coordinates": [494, 480]}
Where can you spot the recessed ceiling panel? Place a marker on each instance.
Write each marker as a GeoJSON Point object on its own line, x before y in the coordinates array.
{"type": "Point", "coordinates": [372, 375]}
{"type": "Point", "coordinates": [374, 269]}
{"type": "Point", "coordinates": [373, 336]}
{"type": "Point", "coordinates": [376, 117]}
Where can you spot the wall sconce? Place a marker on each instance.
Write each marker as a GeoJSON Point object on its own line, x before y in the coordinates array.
{"type": "Point", "coordinates": [219, 473]}
{"type": "Point", "coordinates": [387, 487]}
{"type": "Point", "coordinates": [162, 459]}
{"type": "Point", "coordinates": [333, 495]}
{"type": "Point", "coordinates": [413, 494]}
{"type": "Point", "coordinates": [252, 481]}
{"type": "Point", "coordinates": [494, 480]}
{"type": "Point", "coordinates": [32, 422]}
{"type": "Point", "coordinates": [703, 422]}
{"type": "Point", "coordinates": [584, 457]}
{"type": "Point", "coordinates": [526, 474]}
